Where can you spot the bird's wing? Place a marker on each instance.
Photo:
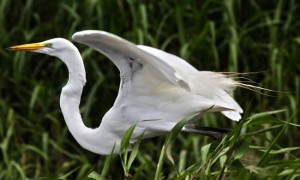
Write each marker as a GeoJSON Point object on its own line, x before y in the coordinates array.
{"type": "Point", "coordinates": [214, 86]}
{"type": "Point", "coordinates": [129, 57]}
{"type": "Point", "coordinates": [123, 53]}
{"type": "Point", "coordinates": [181, 67]}
{"type": "Point", "coordinates": [208, 84]}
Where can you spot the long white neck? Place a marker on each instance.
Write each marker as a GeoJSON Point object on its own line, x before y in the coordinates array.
{"type": "Point", "coordinates": [94, 140]}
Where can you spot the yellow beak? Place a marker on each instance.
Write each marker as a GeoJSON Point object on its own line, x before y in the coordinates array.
{"type": "Point", "coordinates": [27, 47]}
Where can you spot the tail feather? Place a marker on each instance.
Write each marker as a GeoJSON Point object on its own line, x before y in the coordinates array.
{"type": "Point", "coordinates": [219, 89]}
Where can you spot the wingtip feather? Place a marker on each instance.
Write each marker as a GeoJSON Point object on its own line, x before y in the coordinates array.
{"type": "Point", "coordinates": [81, 34]}
{"type": "Point", "coordinates": [233, 115]}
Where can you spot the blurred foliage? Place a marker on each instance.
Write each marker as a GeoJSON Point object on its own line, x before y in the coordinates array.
{"type": "Point", "coordinates": [227, 35]}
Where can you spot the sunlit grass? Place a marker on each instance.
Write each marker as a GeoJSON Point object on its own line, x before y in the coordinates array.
{"type": "Point", "coordinates": [243, 36]}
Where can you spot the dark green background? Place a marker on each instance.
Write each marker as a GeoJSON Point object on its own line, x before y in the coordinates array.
{"type": "Point", "coordinates": [228, 35]}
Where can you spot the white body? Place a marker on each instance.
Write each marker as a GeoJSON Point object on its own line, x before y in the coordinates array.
{"type": "Point", "coordinates": [157, 90]}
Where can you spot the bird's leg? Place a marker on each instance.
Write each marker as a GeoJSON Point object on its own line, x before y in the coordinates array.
{"type": "Point", "coordinates": [206, 128]}
{"type": "Point", "coordinates": [212, 132]}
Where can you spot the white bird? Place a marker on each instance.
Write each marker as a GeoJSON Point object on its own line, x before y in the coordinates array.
{"type": "Point", "coordinates": [157, 90]}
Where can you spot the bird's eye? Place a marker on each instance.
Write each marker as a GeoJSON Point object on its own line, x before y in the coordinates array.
{"type": "Point", "coordinates": [49, 45]}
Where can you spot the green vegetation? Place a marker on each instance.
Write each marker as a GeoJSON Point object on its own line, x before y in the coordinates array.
{"type": "Point", "coordinates": [225, 35]}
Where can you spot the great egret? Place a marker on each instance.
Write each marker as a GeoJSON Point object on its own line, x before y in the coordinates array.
{"type": "Point", "coordinates": [157, 90]}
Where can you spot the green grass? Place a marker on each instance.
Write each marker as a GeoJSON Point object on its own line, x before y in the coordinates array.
{"type": "Point", "coordinates": [242, 36]}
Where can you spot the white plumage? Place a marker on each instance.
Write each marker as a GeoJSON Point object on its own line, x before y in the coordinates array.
{"type": "Point", "coordinates": [157, 90]}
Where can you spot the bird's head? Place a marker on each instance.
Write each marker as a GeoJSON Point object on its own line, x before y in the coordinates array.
{"type": "Point", "coordinates": [54, 47]}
